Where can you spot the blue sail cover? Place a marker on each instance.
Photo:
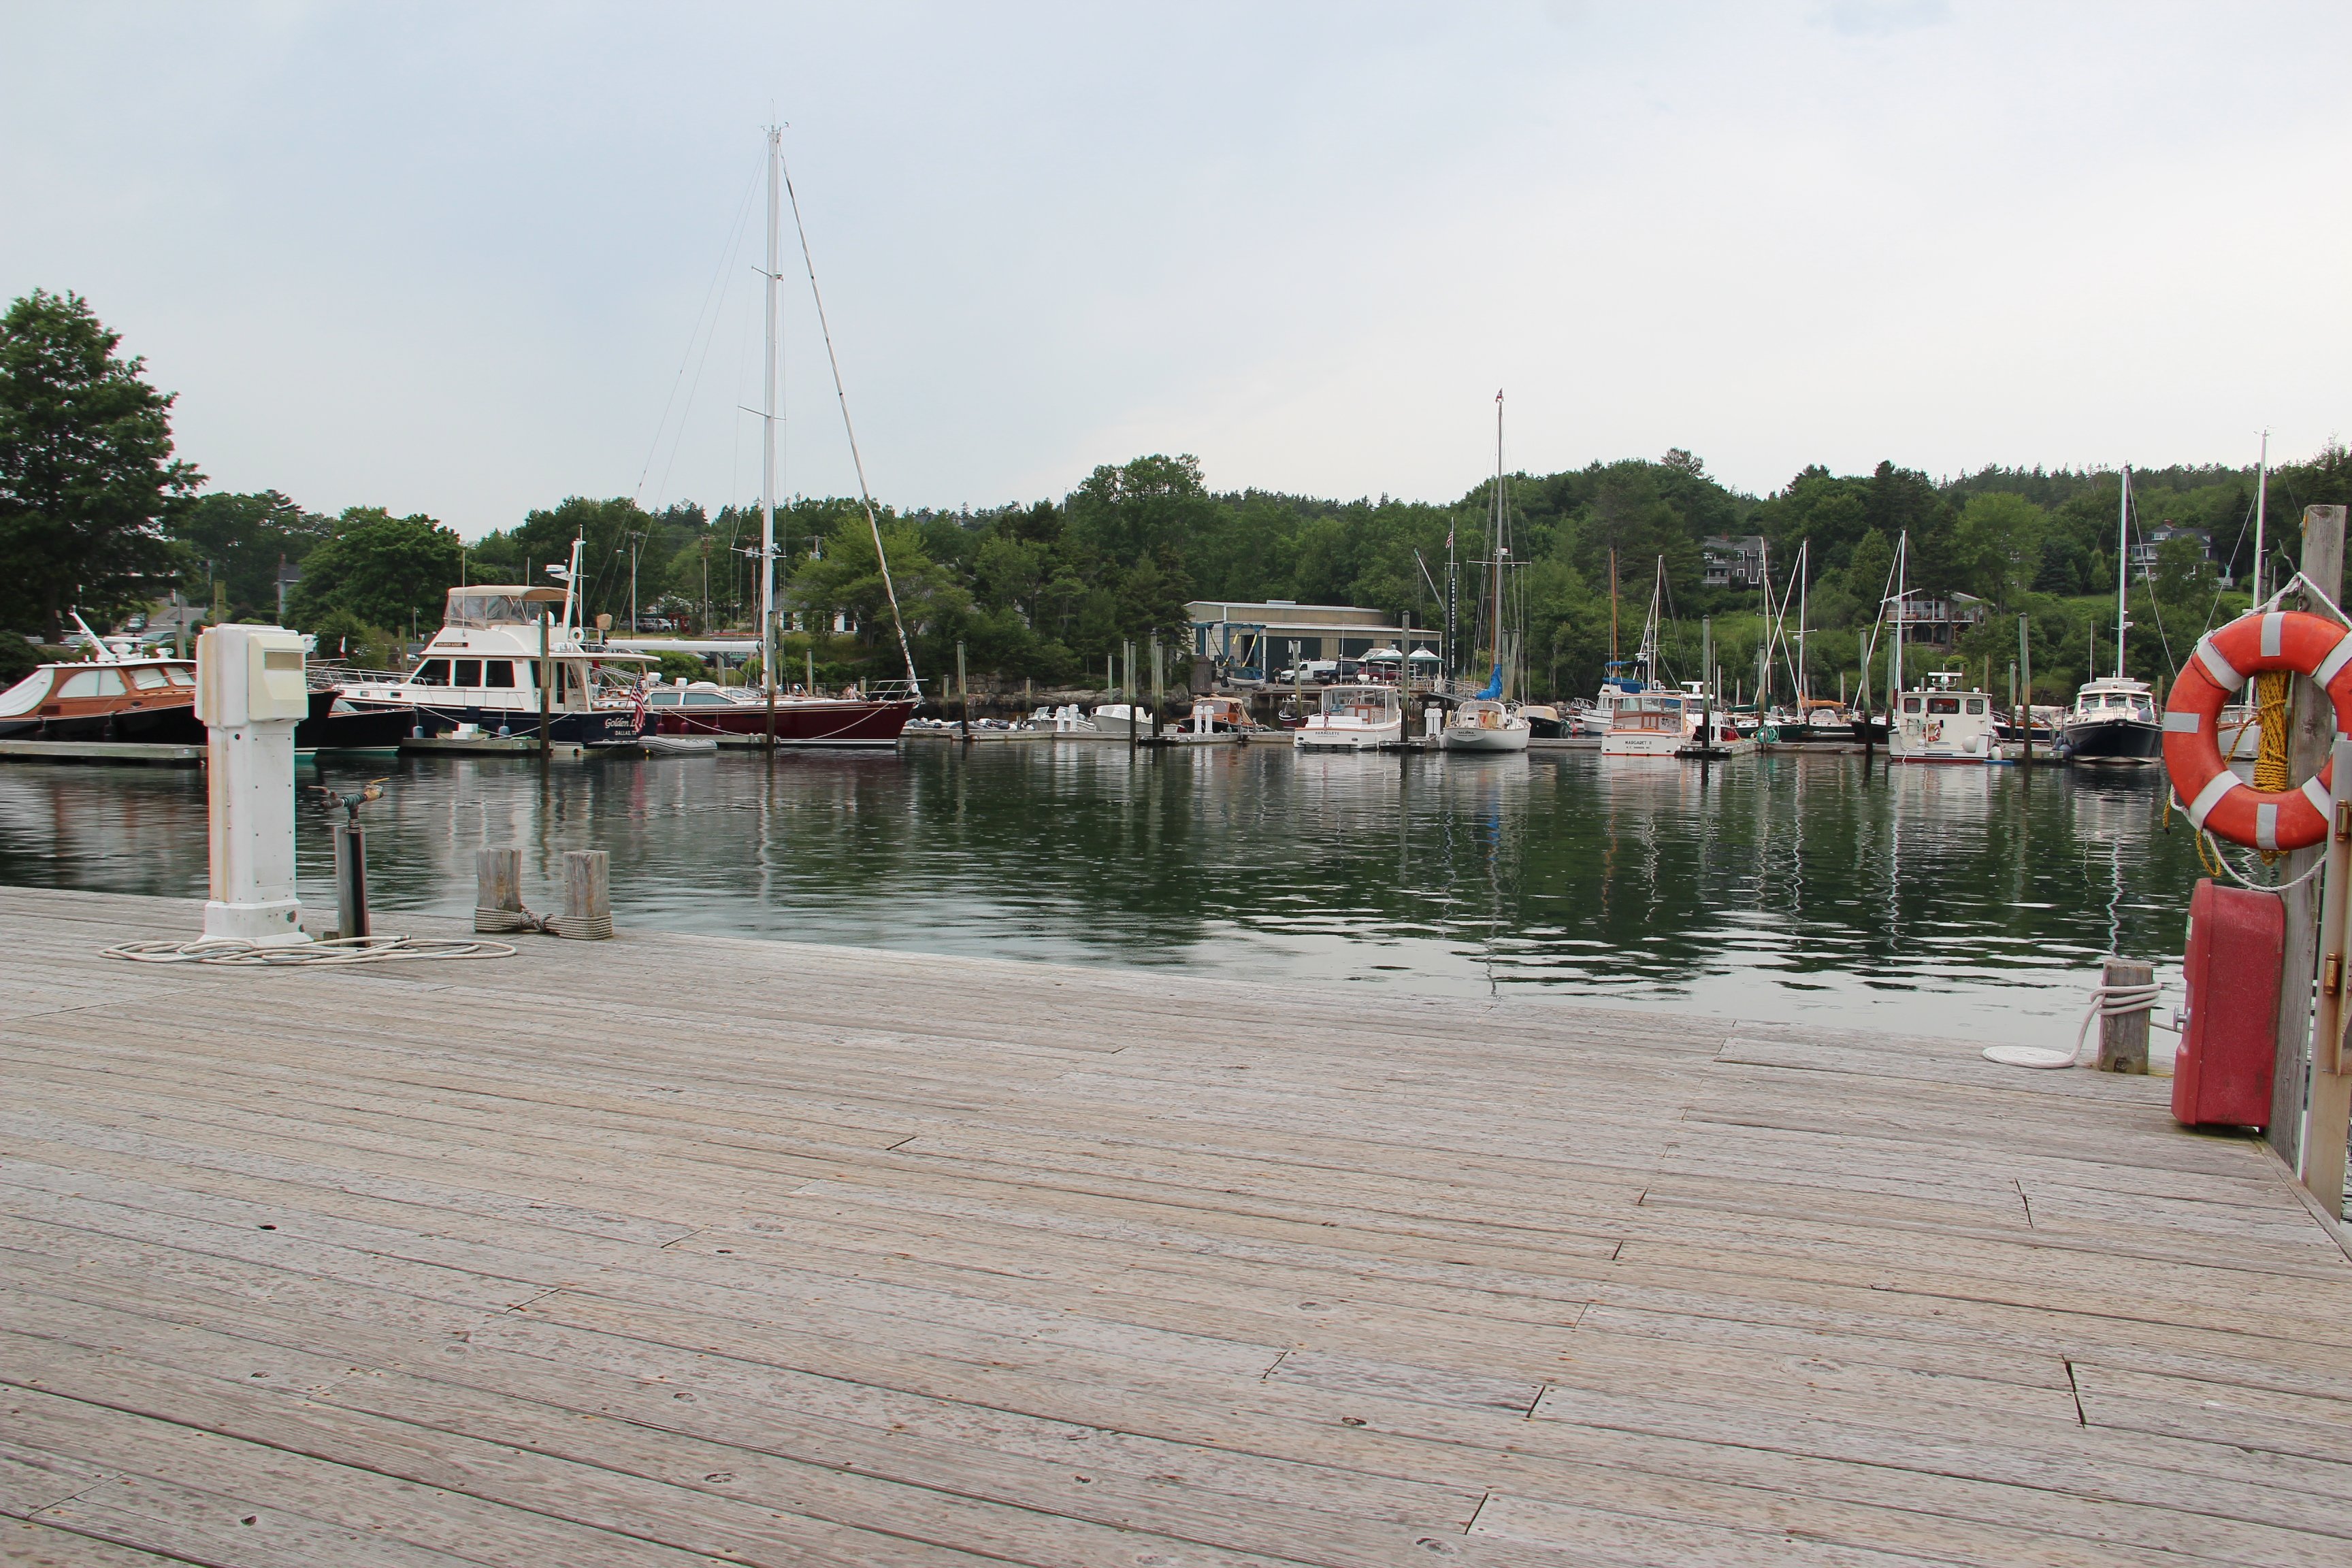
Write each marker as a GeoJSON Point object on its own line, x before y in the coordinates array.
{"type": "Point", "coordinates": [1495, 682]}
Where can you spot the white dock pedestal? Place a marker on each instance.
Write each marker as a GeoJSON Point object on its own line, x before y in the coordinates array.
{"type": "Point", "coordinates": [250, 694]}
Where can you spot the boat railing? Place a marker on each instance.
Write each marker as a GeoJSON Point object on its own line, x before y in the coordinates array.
{"type": "Point", "coordinates": [322, 674]}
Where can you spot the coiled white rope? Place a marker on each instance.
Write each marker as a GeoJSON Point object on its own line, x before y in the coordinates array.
{"type": "Point", "coordinates": [328, 953]}
{"type": "Point", "coordinates": [2106, 1002]}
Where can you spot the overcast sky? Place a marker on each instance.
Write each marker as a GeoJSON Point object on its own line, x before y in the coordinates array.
{"type": "Point", "coordinates": [470, 259]}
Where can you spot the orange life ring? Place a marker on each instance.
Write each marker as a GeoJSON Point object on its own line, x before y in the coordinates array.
{"type": "Point", "coordinates": [2218, 800]}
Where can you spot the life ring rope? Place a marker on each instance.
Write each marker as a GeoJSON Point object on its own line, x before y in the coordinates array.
{"type": "Point", "coordinates": [2218, 801]}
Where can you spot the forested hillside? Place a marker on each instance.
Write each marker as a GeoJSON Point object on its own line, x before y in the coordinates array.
{"type": "Point", "coordinates": [1043, 590]}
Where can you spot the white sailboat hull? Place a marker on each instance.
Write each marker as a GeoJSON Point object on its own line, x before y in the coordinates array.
{"type": "Point", "coordinates": [1497, 740]}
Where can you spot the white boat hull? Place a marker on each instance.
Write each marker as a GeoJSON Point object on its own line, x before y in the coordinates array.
{"type": "Point", "coordinates": [1512, 739]}
{"type": "Point", "coordinates": [1641, 743]}
{"type": "Point", "coordinates": [1315, 736]}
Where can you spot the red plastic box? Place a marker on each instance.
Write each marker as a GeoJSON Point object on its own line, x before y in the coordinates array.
{"type": "Point", "coordinates": [2230, 1044]}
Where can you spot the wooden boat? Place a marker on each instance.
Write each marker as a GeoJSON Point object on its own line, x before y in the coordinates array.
{"type": "Point", "coordinates": [150, 699]}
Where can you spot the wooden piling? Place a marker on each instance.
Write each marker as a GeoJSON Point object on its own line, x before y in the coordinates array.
{"type": "Point", "coordinates": [2123, 1037]}
{"type": "Point", "coordinates": [2311, 731]}
{"type": "Point", "coordinates": [498, 889]}
{"type": "Point", "coordinates": [587, 896]}
{"type": "Point", "coordinates": [350, 880]}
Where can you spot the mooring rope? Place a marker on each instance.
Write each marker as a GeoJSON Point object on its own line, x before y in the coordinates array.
{"type": "Point", "coordinates": [330, 952]}
{"type": "Point", "coordinates": [2106, 1002]}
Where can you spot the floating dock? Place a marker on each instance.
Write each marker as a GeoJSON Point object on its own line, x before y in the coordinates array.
{"type": "Point", "coordinates": [101, 751]}
{"type": "Point", "coordinates": [490, 745]}
{"type": "Point", "coordinates": [679, 1250]}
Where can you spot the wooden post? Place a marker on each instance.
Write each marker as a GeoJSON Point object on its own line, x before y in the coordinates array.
{"type": "Point", "coordinates": [498, 889]}
{"type": "Point", "coordinates": [963, 696]}
{"type": "Point", "coordinates": [545, 672]}
{"type": "Point", "coordinates": [2311, 727]}
{"type": "Point", "coordinates": [2026, 673]}
{"type": "Point", "coordinates": [587, 896]}
{"type": "Point", "coordinates": [2328, 1113]}
{"type": "Point", "coordinates": [351, 880]}
{"type": "Point", "coordinates": [2123, 1037]}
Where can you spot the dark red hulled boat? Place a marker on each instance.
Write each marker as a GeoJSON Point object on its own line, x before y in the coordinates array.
{"type": "Point", "coordinates": [860, 720]}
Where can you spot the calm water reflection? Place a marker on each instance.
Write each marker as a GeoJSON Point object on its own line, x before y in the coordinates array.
{"type": "Point", "coordinates": [1943, 901]}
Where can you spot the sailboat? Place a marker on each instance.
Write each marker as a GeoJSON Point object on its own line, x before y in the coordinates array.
{"type": "Point", "coordinates": [867, 716]}
{"type": "Point", "coordinates": [2115, 718]}
{"type": "Point", "coordinates": [1938, 720]}
{"type": "Point", "coordinates": [1487, 722]}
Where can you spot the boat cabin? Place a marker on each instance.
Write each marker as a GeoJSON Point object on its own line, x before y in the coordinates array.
{"type": "Point", "coordinates": [2109, 697]}
{"type": "Point", "coordinates": [1939, 722]}
{"type": "Point", "coordinates": [1363, 704]}
{"type": "Point", "coordinates": [57, 691]}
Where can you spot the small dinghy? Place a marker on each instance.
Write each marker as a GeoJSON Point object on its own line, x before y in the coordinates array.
{"type": "Point", "coordinates": [659, 745]}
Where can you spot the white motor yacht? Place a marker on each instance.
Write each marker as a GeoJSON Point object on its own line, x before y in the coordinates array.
{"type": "Point", "coordinates": [1352, 719]}
{"type": "Point", "coordinates": [1646, 724]}
{"type": "Point", "coordinates": [483, 668]}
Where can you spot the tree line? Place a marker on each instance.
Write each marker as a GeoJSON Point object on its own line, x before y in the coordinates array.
{"type": "Point", "coordinates": [96, 512]}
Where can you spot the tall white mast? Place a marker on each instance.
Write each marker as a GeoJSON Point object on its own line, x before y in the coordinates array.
{"type": "Point", "coordinates": [2123, 567]}
{"type": "Point", "coordinates": [1803, 681]}
{"type": "Point", "coordinates": [768, 428]}
{"type": "Point", "coordinates": [1502, 546]}
{"type": "Point", "coordinates": [1902, 567]}
{"type": "Point", "coordinates": [2261, 499]}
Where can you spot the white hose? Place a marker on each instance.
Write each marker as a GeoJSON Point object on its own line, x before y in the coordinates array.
{"type": "Point", "coordinates": [330, 952]}
{"type": "Point", "coordinates": [2106, 1002]}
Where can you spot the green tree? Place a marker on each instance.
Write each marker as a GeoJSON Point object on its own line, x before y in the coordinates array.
{"type": "Point", "coordinates": [247, 538]}
{"type": "Point", "coordinates": [380, 570]}
{"type": "Point", "coordinates": [87, 476]}
{"type": "Point", "coordinates": [1997, 545]}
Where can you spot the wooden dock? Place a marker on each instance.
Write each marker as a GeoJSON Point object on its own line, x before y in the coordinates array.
{"type": "Point", "coordinates": [679, 1250]}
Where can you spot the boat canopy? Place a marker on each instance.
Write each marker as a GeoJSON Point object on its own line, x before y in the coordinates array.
{"type": "Point", "coordinates": [497, 604]}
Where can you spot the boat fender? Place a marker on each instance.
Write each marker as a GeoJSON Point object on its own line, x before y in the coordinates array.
{"type": "Point", "coordinates": [2219, 801]}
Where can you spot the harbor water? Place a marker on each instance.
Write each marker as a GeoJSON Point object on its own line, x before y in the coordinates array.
{"type": "Point", "coordinates": [1970, 901]}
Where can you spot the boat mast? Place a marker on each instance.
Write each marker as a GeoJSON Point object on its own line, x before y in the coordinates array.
{"type": "Point", "coordinates": [768, 428]}
{"type": "Point", "coordinates": [1613, 603]}
{"type": "Point", "coordinates": [1453, 602]}
{"type": "Point", "coordinates": [1502, 548]}
{"type": "Point", "coordinates": [2123, 567]}
{"type": "Point", "coordinates": [1804, 557]}
{"type": "Point", "coordinates": [2262, 498]}
{"type": "Point", "coordinates": [1902, 565]}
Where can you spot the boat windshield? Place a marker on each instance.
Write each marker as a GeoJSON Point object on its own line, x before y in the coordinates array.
{"type": "Point", "coordinates": [489, 607]}
{"type": "Point", "coordinates": [26, 695]}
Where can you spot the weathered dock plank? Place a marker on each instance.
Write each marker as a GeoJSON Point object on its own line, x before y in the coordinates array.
{"type": "Point", "coordinates": [672, 1250]}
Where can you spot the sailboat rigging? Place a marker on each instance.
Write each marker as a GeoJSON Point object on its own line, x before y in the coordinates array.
{"type": "Point", "coordinates": [1488, 721]}
{"type": "Point", "coordinates": [863, 717]}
